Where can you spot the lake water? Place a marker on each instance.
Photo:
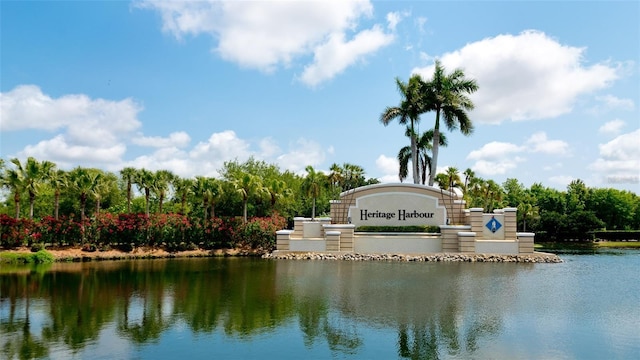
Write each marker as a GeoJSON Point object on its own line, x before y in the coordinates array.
{"type": "Point", "coordinates": [585, 308]}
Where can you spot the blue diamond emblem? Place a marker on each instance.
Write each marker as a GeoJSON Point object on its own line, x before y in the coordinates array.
{"type": "Point", "coordinates": [493, 225]}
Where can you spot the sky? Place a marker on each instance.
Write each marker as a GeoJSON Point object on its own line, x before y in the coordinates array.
{"type": "Point", "coordinates": [185, 86]}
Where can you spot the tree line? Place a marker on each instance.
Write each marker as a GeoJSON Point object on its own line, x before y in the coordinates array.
{"type": "Point", "coordinates": [246, 203]}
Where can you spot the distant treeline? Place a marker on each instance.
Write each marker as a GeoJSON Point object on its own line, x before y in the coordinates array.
{"type": "Point", "coordinates": [243, 193]}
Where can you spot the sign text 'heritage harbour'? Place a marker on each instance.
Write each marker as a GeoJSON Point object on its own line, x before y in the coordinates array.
{"type": "Point", "coordinates": [402, 215]}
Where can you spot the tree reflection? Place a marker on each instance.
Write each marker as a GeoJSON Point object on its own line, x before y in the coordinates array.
{"type": "Point", "coordinates": [431, 307]}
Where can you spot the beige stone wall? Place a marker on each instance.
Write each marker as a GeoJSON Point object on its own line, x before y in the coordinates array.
{"type": "Point", "coordinates": [453, 204]}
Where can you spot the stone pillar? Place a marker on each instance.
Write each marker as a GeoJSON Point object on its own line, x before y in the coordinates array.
{"type": "Point", "coordinates": [298, 226]}
{"type": "Point", "coordinates": [332, 238]}
{"type": "Point", "coordinates": [282, 239]}
{"type": "Point", "coordinates": [476, 221]}
{"type": "Point", "coordinates": [457, 216]}
{"type": "Point", "coordinates": [449, 235]}
{"type": "Point", "coordinates": [525, 242]}
{"type": "Point", "coordinates": [510, 223]}
{"type": "Point", "coordinates": [467, 241]}
{"type": "Point", "coordinates": [346, 235]}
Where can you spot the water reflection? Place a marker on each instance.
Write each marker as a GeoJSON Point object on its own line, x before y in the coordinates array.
{"type": "Point", "coordinates": [431, 310]}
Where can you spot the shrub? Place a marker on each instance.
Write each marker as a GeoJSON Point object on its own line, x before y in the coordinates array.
{"type": "Point", "coordinates": [411, 228]}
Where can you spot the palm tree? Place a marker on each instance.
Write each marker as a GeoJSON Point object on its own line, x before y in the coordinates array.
{"type": "Point", "coordinates": [200, 188]}
{"type": "Point", "coordinates": [160, 183]}
{"type": "Point", "coordinates": [335, 178]}
{"type": "Point", "coordinates": [129, 176]}
{"type": "Point", "coordinates": [33, 175]}
{"type": "Point", "coordinates": [408, 112]}
{"type": "Point", "coordinates": [312, 186]}
{"type": "Point", "coordinates": [103, 187]}
{"type": "Point", "coordinates": [182, 187]}
{"type": "Point", "coordinates": [59, 180]}
{"type": "Point", "coordinates": [85, 182]}
{"type": "Point", "coordinates": [493, 194]}
{"type": "Point", "coordinates": [277, 190]}
{"type": "Point", "coordinates": [14, 181]}
{"type": "Point", "coordinates": [468, 175]}
{"type": "Point", "coordinates": [447, 96]}
{"type": "Point", "coordinates": [353, 176]}
{"type": "Point", "coordinates": [247, 185]}
{"type": "Point", "coordinates": [144, 181]}
{"type": "Point", "coordinates": [424, 160]}
{"type": "Point", "coordinates": [213, 192]}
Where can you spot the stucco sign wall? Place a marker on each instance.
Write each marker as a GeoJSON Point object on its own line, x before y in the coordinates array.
{"type": "Point", "coordinates": [397, 209]}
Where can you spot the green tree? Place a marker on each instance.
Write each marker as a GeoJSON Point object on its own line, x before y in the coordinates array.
{"type": "Point", "coordinates": [312, 186]}
{"type": "Point", "coordinates": [59, 181]}
{"type": "Point", "coordinates": [247, 185]}
{"type": "Point", "coordinates": [128, 174]}
{"type": "Point", "coordinates": [85, 183]}
{"type": "Point", "coordinates": [33, 176]}
{"type": "Point", "coordinates": [13, 180]}
{"type": "Point", "coordinates": [408, 113]}
{"type": "Point", "coordinates": [144, 180]}
{"type": "Point", "coordinates": [160, 185]}
{"type": "Point", "coordinates": [423, 147]}
{"type": "Point", "coordinates": [183, 188]}
{"type": "Point", "coordinates": [447, 96]}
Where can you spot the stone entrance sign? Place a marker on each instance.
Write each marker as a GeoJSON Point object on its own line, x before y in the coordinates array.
{"type": "Point", "coordinates": [397, 209]}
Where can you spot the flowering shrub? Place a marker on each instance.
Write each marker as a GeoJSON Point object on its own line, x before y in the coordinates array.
{"type": "Point", "coordinates": [261, 232]}
{"type": "Point", "coordinates": [171, 231]}
{"type": "Point", "coordinates": [16, 232]}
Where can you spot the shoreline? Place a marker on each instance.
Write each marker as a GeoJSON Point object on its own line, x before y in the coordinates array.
{"type": "Point", "coordinates": [536, 257]}
{"type": "Point", "coordinates": [76, 254]}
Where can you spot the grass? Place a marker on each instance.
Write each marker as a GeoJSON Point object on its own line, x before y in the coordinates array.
{"type": "Point", "coordinates": [588, 245]}
{"type": "Point", "coordinates": [618, 244]}
{"type": "Point", "coordinates": [40, 257]}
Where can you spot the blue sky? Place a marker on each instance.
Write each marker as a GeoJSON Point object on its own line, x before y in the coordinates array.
{"type": "Point", "coordinates": [185, 86]}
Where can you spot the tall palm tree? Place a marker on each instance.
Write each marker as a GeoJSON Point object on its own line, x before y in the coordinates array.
{"type": "Point", "coordinates": [59, 180]}
{"type": "Point", "coordinates": [277, 190]}
{"type": "Point", "coordinates": [85, 183]}
{"type": "Point", "coordinates": [160, 184]}
{"type": "Point", "coordinates": [14, 181]}
{"type": "Point", "coordinates": [335, 179]}
{"type": "Point", "coordinates": [447, 96]}
{"type": "Point", "coordinates": [246, 185]}
{"type": "Point", "coordinates": [213, 193]}
{"type": "Point", "coordinates": [183, 187]}
{"type": "Point", "coordinates": [312, 186]}
{"type": "Point", "coordinates": [200, 188]}
{"type": "Point", "coordinates": [424, 158]}
{"type": "Point", "coordinates": [34, 174]}
{"type": "Point", "coordinates": [353, 176]}
{"type": "Point", "coordinates": [128, 174]}
{"type": "Point", "coordinates": [468, 176]}
{"type": "Point", "coordinates": [408, 113]}
{"type": "Point", "coordinates": [144, 181]}
{"type": "Point", "coordinates": [105, 183]}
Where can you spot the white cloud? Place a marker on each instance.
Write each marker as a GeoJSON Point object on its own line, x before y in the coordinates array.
{"type": "Point", "coordinates": [619, 158]}
{"type": "Point", "coordinates": [334, 56]}
{"type": "Point", "coordinates": [526, 76]}
{"type": "Point", "coordinates": [301, 153]}
{"type": "Point", "coordinates": [388, 166]}
{"type": "Point", "coordinates": [66, 154]}
{"type": "Point", "coordinates": [494, 150]}
{"type": "Point", "coordinates": [538, 142]}
{"type": "Point", "coordinates": [27, 107]}
{"type": "Point", "coordinates": [495, 158]}
{"type": "Point", "coordinates": [612, 127]}
{"type": "Point", "coordinates": [87, 131]}
{"type": "Point", "coordinates": [613, 102]}
{"type": "Point", "coordinates": [266, 35]}
{"type": "Point", "coordinates": [178, 139]}
{"type": "Point", "coordinates": [561, 179]}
